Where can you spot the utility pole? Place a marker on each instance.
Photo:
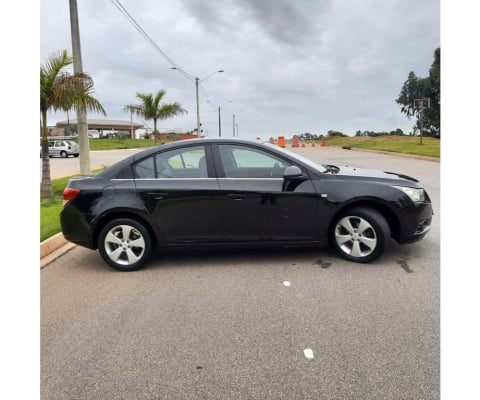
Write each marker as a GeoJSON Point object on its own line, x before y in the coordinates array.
{"type": "Point", "coordinates": [81, 111]}
{"type": "Point", "coordinates": [131, 125]}
{"type": "Point", "coordinates": [233, 124]}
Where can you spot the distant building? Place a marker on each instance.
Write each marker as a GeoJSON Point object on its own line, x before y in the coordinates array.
{"type": "Point", "coordinates": [102, 126]}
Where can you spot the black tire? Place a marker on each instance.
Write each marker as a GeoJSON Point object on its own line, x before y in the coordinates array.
{"type": "Point", "coordinates": [63, 154]}
{"type": "Point", "coordinates": [76, 155]}
{"type": "Point", "coordinates": [360, 234]}
{"type": "Point", "coordinates": [118, 251]}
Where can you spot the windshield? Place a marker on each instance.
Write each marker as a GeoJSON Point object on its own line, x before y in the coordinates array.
{"type": "Point", "coordinates": [305, 160]}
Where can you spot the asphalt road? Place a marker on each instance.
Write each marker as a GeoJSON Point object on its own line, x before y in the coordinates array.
{"type": "Point", "coordinates": [242, 324]}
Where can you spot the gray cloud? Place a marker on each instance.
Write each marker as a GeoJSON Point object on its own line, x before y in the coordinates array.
{"type": "Point", "coordinates": [289, 66]}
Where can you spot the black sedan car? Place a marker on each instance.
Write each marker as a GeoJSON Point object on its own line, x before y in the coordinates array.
{"type": "Point", "coordinates": [231, 192]}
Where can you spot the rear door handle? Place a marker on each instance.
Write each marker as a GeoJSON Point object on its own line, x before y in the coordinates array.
{"type": "Point", "coordinates": [236, 196]}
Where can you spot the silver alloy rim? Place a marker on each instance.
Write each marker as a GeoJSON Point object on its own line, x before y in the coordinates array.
{"type": "Point", "coordinates": [124, 244]}
{"type": "Point", "coordinates": [355, 236]}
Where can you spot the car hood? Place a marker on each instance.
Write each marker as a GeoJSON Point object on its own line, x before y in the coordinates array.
{"type": "Point", "coordinates": [372, 173]}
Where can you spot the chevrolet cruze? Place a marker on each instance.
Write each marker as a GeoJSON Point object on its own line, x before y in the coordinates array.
{"type": "Point", "coordinates": [238, 193]}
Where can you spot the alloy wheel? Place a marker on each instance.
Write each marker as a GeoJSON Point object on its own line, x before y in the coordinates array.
{"type": "Point", "coordinates": [355, 236]}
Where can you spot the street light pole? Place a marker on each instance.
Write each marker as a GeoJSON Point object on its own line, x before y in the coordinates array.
{"type": "Point", "coordinates": [197, 82]}
{"type": "Point", "coordinates": [233, 124]}
{"type": "Point", "coordinates": [219, 123]}
{"type": "Point", "coordinates": [198, 107]}
{"type": "Point", "coordinates": [421, 104]}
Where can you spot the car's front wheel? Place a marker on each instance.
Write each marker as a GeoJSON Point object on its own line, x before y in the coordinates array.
{"type": "Point", "coordinates": [360, 234]}
{"type": "Point", "coordinates": [125, 244]}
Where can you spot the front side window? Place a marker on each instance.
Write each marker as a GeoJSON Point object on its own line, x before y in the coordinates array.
{"type": "Point", "coordinates": [247, 162]}
{"type": "Point", "coordinates": [187, 162]}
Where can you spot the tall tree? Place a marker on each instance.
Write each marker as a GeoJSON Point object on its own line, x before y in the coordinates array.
{"type": "Point", "coordinates": [60, 90]}
{"type": "Point", "coordinates": [428, 120]}
{"type": "Point", "coordinates": [432, 115]}
{"type": "Point", "coordinates": [151, 108]}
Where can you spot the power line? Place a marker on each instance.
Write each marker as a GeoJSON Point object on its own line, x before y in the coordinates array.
{"type": "Point", "coordinates": [122, 9]}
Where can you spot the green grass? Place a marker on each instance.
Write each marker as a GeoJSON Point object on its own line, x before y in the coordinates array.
{"type": "Point", "coordinates": [397, 144]}
{"type": "Point", "coordinates": [50, 210]}
{"type": "Point", "coordinates": [114, 144]}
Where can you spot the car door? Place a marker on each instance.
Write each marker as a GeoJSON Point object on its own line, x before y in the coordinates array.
{"type": "Point", "coordinates": [179, 191]}
{"type": "Point", "coordinates": [257, 206]}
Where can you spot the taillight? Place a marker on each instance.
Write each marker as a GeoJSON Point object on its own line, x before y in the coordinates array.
{"type": "Point", "coordinates": [69, 194]}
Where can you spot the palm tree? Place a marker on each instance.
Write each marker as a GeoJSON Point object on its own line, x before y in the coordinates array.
{"type": "Point", "coordinates": [150, 108]}
{"type": "Point", "coordinates": [60, 90]}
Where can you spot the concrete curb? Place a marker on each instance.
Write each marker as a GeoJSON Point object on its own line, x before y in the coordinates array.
{"type": "Point", "coordinates": [52, 248]}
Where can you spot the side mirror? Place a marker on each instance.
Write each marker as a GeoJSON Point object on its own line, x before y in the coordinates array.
{"type": "Point", "coordinates": [292, 172]}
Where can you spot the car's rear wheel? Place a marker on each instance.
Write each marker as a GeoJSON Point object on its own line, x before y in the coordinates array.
{"type": "Point", "coordinates": [76, 155]}
{"type": "Point", "coordinates": [63, 154]}
{"type": "Point", "coordinates": [360, 234]}
{"type": "Point", "coordinates": [125, 244]}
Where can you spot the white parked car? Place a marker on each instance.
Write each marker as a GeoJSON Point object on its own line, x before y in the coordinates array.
{"type": "Point", "coordinates": [62, 148]}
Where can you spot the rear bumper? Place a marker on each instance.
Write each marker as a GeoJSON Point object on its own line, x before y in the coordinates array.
{"type": "Point", "coordinates": [75, 228]}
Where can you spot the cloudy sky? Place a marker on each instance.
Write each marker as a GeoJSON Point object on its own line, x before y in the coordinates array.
{"type": "Point", "coordinates": [290, 66]}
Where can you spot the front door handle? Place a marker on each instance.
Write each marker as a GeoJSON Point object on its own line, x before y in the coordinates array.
{"type": "Point", "coordinates": [157, 196]}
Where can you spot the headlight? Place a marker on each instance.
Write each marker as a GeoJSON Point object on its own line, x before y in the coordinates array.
{"type": "Point", "coordinates": [417, 195]}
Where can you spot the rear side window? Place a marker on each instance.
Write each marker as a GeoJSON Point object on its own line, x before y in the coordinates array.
{"type": "Point", "coordinates": [145, 169]}
{"type": "Point", "coordinates": [189, 162]}
{"type": "Point", "coordinates": [125, 174]}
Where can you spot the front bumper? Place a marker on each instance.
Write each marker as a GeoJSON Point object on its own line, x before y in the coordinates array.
{"type": "Point", "coordinates": [416, 223]}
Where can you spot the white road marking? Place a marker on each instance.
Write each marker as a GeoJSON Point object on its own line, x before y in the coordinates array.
{"type": "Point", "coordinates": [308, 353]}
{"type": "Point", "coordinates": [286, 283]}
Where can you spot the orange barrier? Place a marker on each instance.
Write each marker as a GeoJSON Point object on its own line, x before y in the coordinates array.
{"type": "Point", "coordinates": [324, 142]}
{"type": "Point", "coordinates": [281, 141]}
{"type": "Point", "coordinates": [295, 141]}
